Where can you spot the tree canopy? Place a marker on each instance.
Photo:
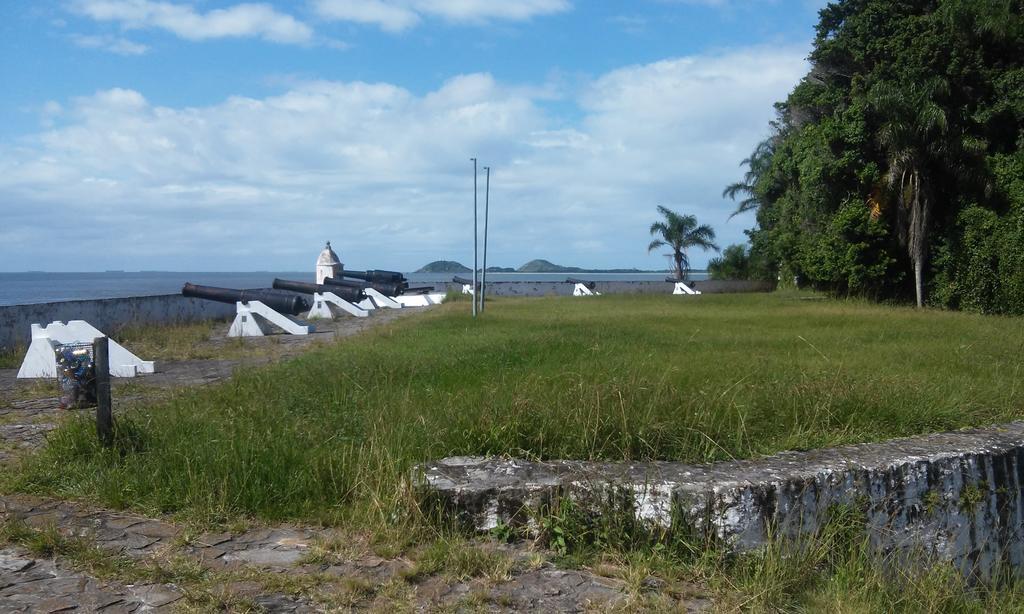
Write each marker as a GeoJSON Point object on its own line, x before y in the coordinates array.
{"type": "Point", "coordinates": [895, 168]}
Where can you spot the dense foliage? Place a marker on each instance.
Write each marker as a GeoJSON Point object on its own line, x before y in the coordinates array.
{"type": "Point", "coordinates": [736, 262]}
{"type": "Point", "coordinates": [895, 168]}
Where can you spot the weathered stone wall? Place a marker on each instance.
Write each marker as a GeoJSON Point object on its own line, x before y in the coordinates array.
{"type": "Point", "coordinates": [956, 496]}
{"type": "Point", "coordinates": [106, 314]}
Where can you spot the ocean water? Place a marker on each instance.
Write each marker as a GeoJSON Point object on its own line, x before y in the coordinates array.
{"type": "Point", "coordinates": [37, 287]}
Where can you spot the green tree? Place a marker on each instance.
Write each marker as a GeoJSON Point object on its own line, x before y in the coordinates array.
{"type": "Point", "coordinates": [912, 134]}
{"type": "Point", "coordinates": [899, 152]}
{"type": "Point", "coordinates": [680, 233]}
{"type": "Point", "coordinates": [757, 165]}
{"type": "Point", "coordinates": [734, 263]}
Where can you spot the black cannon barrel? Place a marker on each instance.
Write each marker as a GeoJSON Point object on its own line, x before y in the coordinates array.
{"type": "Point", "coordinates": [383, 288]}
{"type": "Point", "coordinates": [348, 283]}
{"type": "Point", "coordinates": [463, 281]}
{"type": "Point", "coordinates": [377, 277]}
{"type": "Point", "coordinates": [419, 290]}
{"type": "Point", "coordinates": [283, 302]}
{"type": "Point", "coordinates": [345, 293]}
{"type": "Point", "coordinates": [575, 280]}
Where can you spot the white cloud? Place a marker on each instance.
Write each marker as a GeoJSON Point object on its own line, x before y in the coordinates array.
{"type": "Point", "coordinates": [399, 15]}
{"type": "Point", "coordinates": [113, 44]}
{"type": "Point", "coordinates": [389, 17]}
{"type": "Point", "coordinates": [240, 20]}
{"type": "Point", "coordinates": [385, 173]}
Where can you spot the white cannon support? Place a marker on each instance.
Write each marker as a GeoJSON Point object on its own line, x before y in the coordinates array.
{"type": "Point", "coordinates": [255, 319]}
{"type": "Point", "coordinates": [682, 288]}
{"type": "Point", "coordinates": [583, 290]}
{"type": "Point", "coordinates": [381, 300]}
{"type": "Point", "coordinates": [40, 360]}
{"type": "Point", "coordinates": [329, 305]}
{"type": "Point", "coordinates": [420, 300]}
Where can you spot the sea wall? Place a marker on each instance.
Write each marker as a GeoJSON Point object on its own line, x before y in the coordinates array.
{"type": "Point", "coordinates": [554, 288]}
{"type": "Point", "coordinates": [952, 496]}
{"type": "Point", "coordinates": [108, 315]}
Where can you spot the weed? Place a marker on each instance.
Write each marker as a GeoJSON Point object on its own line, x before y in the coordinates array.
{"type": "Point", "coordinates": [10, 358]}
{"type": "Point", "coordinates": [971, 495]}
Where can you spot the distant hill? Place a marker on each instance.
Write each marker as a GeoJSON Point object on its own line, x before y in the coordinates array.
{"type": "Point", "coordinates": [545, 266]}
{"type": "Point", "coordinates": [534, 266]}
{"type": "Point", "coordinates": [445, 266]}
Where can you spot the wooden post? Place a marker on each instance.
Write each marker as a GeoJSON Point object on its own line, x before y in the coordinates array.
{"type": "Point", "coordinates": [104, 411]}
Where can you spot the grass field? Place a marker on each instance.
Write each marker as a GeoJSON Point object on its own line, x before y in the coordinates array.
{"type": "Point", "coordinates": [331, 436]}
{"type": "Point", "coordinates": [607, 378]}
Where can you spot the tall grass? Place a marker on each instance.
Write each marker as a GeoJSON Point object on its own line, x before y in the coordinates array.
{"type": "Point", "coordinates": [330, 436]}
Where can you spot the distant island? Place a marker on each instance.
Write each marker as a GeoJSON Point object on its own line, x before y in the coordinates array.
{"type": "Point", "coordinates": [444, 266]}
{"type": "Point", "coordinates": [533, 266]}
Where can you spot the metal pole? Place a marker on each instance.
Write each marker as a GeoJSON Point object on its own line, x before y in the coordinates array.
{"type": "Point", "coordinates": [487, 202]}
{"type": "Point", "coordinates": [474, 238]}
{"type": "Point", "coordinates": [104, 413]}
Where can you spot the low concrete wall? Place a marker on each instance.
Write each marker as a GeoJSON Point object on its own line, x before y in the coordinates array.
{"type": "Point", "coordinates": [952, 496]}
{"type": "Point", "coordinates": [108, 315]}
{"type": "Point", "coordinates": [554, 288]}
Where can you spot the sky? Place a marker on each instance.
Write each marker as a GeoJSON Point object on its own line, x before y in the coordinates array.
{"type": "Point", "coordinates": [240, 136]}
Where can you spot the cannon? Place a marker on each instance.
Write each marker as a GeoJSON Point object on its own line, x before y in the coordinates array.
{"type": "Point", "coordinates": [378, 277]}
{"type": "Point", "coordinates": [283, 302]}
{"type": "Point", "coordinates": [387, 289]}
{"type": "Point", "coordinates": [590, 285]}
{"type": "Point", "coordinates": [419, 290]}
{"type": "Point", "coordinates": [463, 281]}
{"type": "Point", "coordinates": [352, 294]}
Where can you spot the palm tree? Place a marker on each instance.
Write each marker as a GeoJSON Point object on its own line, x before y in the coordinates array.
{"type": "Point", "coordinates": [918, 141]}
{"type": "Point", "coordinates": [680, 232]}
{"type": "Point", "coordinates": [757, 165]}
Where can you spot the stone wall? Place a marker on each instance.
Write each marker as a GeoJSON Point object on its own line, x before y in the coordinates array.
{"type": "Point", "coordinates": [106, 314]}
{"type": "Point", "coordinates": [110, 314]}
{"type": "Point", "coordinates": [554, 288]}
{"type": "Point", "coordinates": [953, 496]}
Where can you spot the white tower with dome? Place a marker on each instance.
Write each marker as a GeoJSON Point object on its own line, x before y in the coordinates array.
{"type": "Point", "coordinates": [328, 264]}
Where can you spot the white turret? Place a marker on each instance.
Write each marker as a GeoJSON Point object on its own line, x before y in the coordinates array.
{"type": "Point", "coordinates": [328, 265]}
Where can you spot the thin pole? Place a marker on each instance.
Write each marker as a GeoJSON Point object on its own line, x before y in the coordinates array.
{"type": "Point", "coordinates": [487, 203]}
{"type": "Point", "coordinates": [474, 238]}
{"type": "Point", "coordinates": [104, 413]}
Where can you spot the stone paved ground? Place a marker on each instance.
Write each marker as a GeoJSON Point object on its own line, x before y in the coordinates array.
{"type": "Point", "coordinates": [245, 567]}
{"type": "Point", "coordinates": [271, 569]}
{"type": "Point", "coordinates": [29, 584]}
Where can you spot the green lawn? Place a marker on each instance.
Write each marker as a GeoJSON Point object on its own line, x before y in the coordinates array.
{"type": "Point", "coordinates": [331, 436]}
{"type": "Point", "coordinates": [698, 379]}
